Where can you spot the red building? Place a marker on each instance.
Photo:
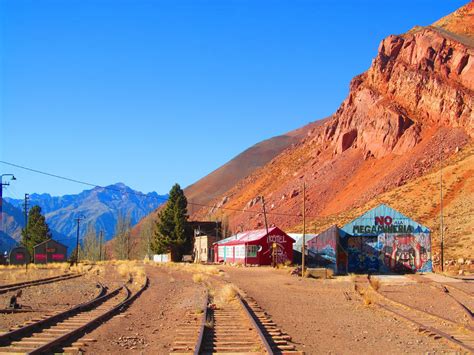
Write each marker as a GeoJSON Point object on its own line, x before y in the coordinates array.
{"type": "Point", "coordinates": [256, 247]}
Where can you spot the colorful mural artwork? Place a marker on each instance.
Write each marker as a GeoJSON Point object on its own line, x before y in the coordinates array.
{"type": "Point", "coordinates": [324, 245]}
{"type": "Point", "coordinates": [384, 240]}
{"type": "Point", "coordinates": [406, 252]}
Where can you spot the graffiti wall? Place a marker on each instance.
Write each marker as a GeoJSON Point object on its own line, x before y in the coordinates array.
{"type": "Point", "coordinates": [384, 240]}
{"type": "Point", "coordinates": [406, 252]}
{"type": "Point", "coordinates": [324, 244]}
{"type": "Point", "coordinates": [388, 252]}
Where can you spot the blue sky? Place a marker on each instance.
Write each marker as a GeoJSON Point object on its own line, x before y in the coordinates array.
{"type": "Point", "coordinates": [150, 93]}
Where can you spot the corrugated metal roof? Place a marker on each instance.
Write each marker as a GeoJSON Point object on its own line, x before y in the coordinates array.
{"type": "Point", "coordinates": [299, 239]}
{"type": "Point", "coordinates": [248, 236]}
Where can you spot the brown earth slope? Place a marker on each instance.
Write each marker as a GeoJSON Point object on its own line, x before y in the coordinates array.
{"type": "Point", "coordinates": [414, 103]}
{"type": "Point", "coordinates": [225, 177]}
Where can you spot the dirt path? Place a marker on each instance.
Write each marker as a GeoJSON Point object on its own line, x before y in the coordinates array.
{"type": "Point", "coordinates": [149, 325]}
{"type": "Point", "coordinates": [320, 319]}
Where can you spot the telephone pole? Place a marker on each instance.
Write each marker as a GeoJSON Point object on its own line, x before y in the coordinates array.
{"type": "Point", "coordinates": [2, 184]}
{"type": "Point", "coordinates": [441, 232]}
{"type": "Point", "coordinates": [25, 209]}
{"type": "Point", "coordinates": [303, 246]}
{"type": "Point", "coordinates": [78, 221]}
{"type": "Point", "coordinates": [266, 228]}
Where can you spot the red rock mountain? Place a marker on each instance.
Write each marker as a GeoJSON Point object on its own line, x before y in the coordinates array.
{"type": "Point", "coordinates": [412, 107]}
{"type": "Point", "coordinates": [414, 103]}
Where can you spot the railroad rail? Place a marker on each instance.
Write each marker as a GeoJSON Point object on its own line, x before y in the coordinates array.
{"type": "Point", "coordinates": [432, 325]}
{"type": "Point", "coordinates": [447, 289]}
{"type": "Point", "coordinates": [237, 327]}
{"type": "Point", "coordinates": [19, 285]}
{"type": "Point", "coordinates": [57, 331]}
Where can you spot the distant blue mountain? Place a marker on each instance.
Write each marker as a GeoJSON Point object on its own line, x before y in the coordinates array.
{"type": "Point", "coordinates": [100, 206]}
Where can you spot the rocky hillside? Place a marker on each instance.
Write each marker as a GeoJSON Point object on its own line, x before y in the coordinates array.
{"type": "Point", "coordinates": [225, 177]}
{"type": "Point", "coordinates": [412, 107]}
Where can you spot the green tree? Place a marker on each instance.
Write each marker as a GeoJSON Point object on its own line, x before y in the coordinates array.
{"type": "Point", "coordinates": [90, 245]}
{"type": "Point", "coordinates": [122, 240]}
{"type": "Point", "coordinates": [37, 230]}
{"type": "Point", "coordinates": [170, 235]}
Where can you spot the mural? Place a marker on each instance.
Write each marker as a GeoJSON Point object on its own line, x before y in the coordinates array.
{"type": "Point", "coordinates": [384, 240]}
{"type": "Point", "coordinates": [324, 245]}
{"type": "Point", "coordinates": [406, 252]}
{"type": "Point", "coordinates": [390, 252]}
{"type": "Point", "coordinates": [280, 253]}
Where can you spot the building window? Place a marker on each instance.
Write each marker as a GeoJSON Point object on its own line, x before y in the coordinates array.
{"type": "Point", "coordinates": [252, 251]}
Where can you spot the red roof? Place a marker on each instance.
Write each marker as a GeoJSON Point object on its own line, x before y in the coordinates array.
{"type": "Point", "coordinates": [251, 236]}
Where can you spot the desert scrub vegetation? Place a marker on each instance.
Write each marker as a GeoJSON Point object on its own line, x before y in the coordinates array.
{"type": "Point", "coordinates": [192, 268]}
{"type": "Point", "coordinates": [199, 278]}
{"type": "Point", "coordinates": [374, 283]}
{"type": "Point", "coordinates": [225, 295]}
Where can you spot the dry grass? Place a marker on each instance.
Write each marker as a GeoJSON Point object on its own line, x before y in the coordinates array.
{"type": "Point", "coordinates": [375, 283]}
{"type": "Point", "coordinates": [192, 268]}
{"type": "Point", "coordinates": [225, 295]}
{"type": "Point", "coordinates": [367, 298]}
{"type": "Point", "coordinates": [198, 278]}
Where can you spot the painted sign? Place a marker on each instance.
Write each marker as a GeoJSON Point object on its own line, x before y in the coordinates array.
{"type": "Point", "coordinates": [40, 257]}
{"type": "Point", "coordinates": [280, 239]}
{"type": "Point", "coordinates": [58, 257]}
{"type": "Point", "coordinates": [383, 219]}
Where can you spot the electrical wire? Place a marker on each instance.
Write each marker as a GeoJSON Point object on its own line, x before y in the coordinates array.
{"type": "Point", "coordinates": [141, 194]}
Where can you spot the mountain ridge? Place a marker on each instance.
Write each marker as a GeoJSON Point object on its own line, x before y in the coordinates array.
{"type": "Point", "coordinates": [100, 206]}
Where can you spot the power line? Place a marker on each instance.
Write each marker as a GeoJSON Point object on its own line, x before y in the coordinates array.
{"type": "Point", "coordinates": [141, 194]}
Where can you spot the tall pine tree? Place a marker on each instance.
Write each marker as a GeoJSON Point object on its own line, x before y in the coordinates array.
{"type": "Point", "coordinates": [37, 230]}
{"type": "Point", "coordinates": [170, 235]}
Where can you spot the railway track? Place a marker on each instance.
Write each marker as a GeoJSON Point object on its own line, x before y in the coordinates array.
{"type": "Point", "coordinates": [237, 327]}
{"type": "Point", "coordinates": [460, 335]}
{"type": "Point", "coordinates": [57, 332]}
{"type": "Point", "coordinates": [19, 285]}
{"type": "Point", "coordinates": [447, 289]}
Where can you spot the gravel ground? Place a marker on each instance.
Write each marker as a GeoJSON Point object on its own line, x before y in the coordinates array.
{"type": "Point", "coordinates": [149, 325]}
{"type": "Point", "coordinates": [426, 298]}
{"type": "Point", "coordinates": [321, 320]}
{"type": "Point", "coordinates": [46, 298]}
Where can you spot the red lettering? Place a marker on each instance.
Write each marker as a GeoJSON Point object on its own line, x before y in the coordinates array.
{"type": "Point", "coordinates": [388, 221]}
{"type": "Point", "coordinates": [379, 221]}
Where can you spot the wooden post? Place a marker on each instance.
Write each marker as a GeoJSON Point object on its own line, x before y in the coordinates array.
{"type": "Point", "coordinates": [303, 246]}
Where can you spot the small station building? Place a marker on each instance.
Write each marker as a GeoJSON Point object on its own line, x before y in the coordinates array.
{"type": "Point", "coordinates": [203, 248]}
{"type": "Point", "coordinates": [18, 256]}
{"type": "Point", "coordinates": [256, 247]}
{"type": "Point", "coordinates": [50, 251]}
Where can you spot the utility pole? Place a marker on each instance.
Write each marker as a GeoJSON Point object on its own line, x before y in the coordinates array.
{"type": "Point", "coordinates": [266, 228]}
{"type": "Point", "coordinates": [78, 221]}
{"type": "Point", "coordinates": [25, 206]}
{"type": "Point", "coordinates": [2, 184]}
{"type": "Point", "coordinates": [441, 232]}
{"type": "Point", "coordinates": [25, 209]}
{"type": "Point", "coordinates": [303, 246]}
